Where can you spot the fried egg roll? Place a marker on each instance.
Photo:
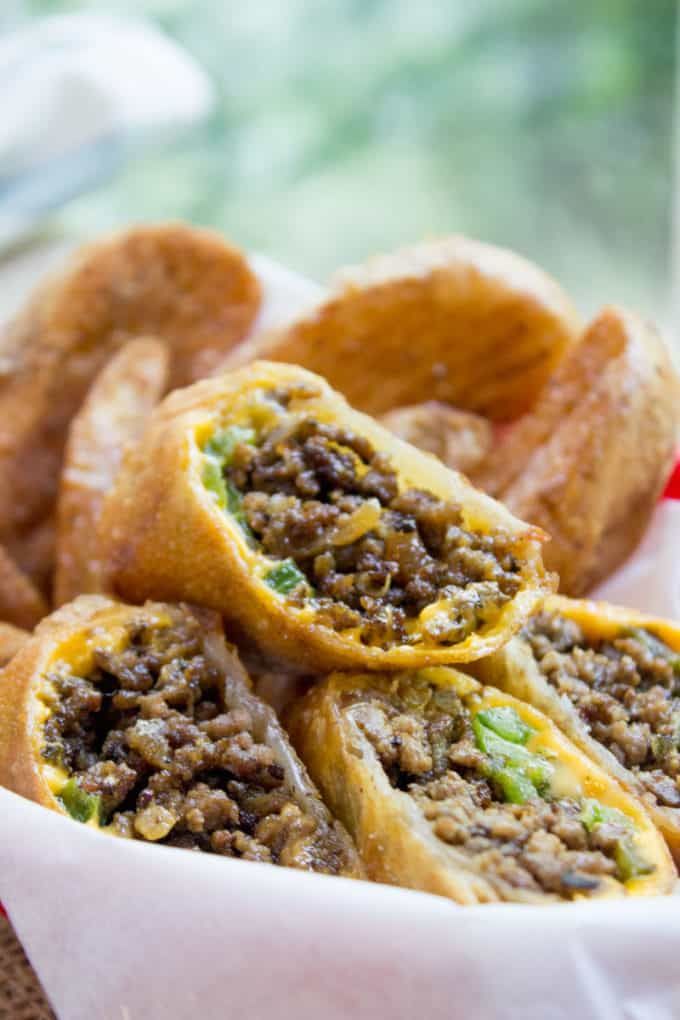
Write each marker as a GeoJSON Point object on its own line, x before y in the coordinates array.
{"type": "Point", "coordinates": [462, 790]}
{"type": "Point", "coordinates": [139, 721]}
{"type": "Point", "coordinates": [327, 541]}
{"type": "Point", "coordinates": [610, 678]}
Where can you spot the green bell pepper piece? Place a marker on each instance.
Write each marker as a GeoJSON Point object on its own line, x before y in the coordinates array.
{"type": "Point", "coordinates": [514, 785]}
{"type": "Point", "coordinates": [505, 722]}
{"type": "Point", "coordinates": [594, 813]}
{"type": "Point", "coordinates": [80, 805]}
{"type": "Point", "coordinates": [284, 577]}
{"type": "Point", "coordinates": [219, 452]}
{"type": "Point", "coordinates": [225, 493]}
{"type": "Point", "coordinates": [223, 443]}
{"type": "Point", "coordinates": [235, 508]}
{"type": "Point", "coordinates": [213, 479]}
{"type": "Point", "coordinates": [629, 862]}
{"type": "Point", "coordinates": [504, 752]}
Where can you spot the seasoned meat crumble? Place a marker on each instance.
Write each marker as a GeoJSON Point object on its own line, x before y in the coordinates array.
{"type": "Point", "coordinates": [424, 738]}
{"type": "Point", "coordinates": [626, 690]}
{"type": "Point", "coordinates": [149, 744]}
{"type": "Point", "coordinates": [372, 556]}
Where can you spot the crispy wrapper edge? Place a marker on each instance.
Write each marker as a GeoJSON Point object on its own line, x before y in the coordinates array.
{"type": "Point", "coordinates": [391, 834]}
{"type": "Point", "coordinates": [66, 633]}
{"type": "Point", "coordinates": [164, 537]}
{"type": "Point", "coordinates": [514, 669]}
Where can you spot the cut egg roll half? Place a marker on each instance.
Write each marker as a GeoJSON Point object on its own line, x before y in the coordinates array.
{"type": "Point", "coordinates": [325, 540]}
{"type": "Point", "coordinates": [139, 721]}
{"type": "Point", "coordinates": [610, 678]}
{"type": "Point", "coordinates": [461, 790]}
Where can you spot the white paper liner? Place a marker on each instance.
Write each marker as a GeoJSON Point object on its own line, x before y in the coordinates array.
{"type": "Point", "coordinates": [120, 930]}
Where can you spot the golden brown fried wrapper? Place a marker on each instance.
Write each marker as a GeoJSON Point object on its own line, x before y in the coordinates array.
{"type": "Point", "coordinates": [587, 464]}
{"type": "Point", "coordinates": [408, 836]}
{"type": "Point", "coordinates": [173, 528]}
{"type": "Point", "coordinates": [279, 689]}
{"type": "Point", "coordinates": [113, 414]}
{"type": "Point", "coordinates": [34, 553]}
{"type": "Point", "coordinates": [11, 640]}
{"type": "Point", "coordinates": [68, 647]}
{"type": "Point", "coordinates": [461, 440]}
{"type": "Point", "coordinates": [184, 285]}
{"type": "Point", "coordinates": [452, 320]}
{"type": "Point", "coordinates": [516, 670]}
{"type": "Point", "coordinates": [20, 601]}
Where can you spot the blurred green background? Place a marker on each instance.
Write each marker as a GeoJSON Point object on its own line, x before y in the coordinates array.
{"type": "Point", "coordinates": [348, 127]}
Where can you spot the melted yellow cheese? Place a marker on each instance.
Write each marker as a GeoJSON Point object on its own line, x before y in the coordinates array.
{"type": "Point", "coordinates": [74, 656]}
{"type": "Point", "coordinates": [253, 409]}
{"type": "Point", "coordinates": [575, 775]}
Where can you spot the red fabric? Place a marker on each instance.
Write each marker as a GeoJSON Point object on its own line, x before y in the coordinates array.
{"type": "Point", "coordinates": [672, 490]}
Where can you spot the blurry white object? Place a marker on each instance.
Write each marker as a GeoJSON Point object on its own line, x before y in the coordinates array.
{"type": "Point", "coordinates": [285, 294]}
{"type": "Point", "coordinates": [79, 90]}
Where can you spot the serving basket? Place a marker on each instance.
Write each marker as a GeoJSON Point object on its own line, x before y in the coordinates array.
{"type": "Point", "coordinates": [120, 930]}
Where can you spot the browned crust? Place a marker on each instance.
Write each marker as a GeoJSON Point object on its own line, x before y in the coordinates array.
{"type": "Point", "coordinates": [176, 282]}
{"type": "Point", "coordinates": [514, 669]}
{"type": "Point", "coordinates": [33, 552]}
{"type": "Point", "coordinates": [19, 769]}
{"type": "Point", "coordinates": [460, 439]}
{"type": "Point", "coordinates": [113, 415]}
{"type": "Point", "coordinates": [396, 843]}
{"type": "Point", "coordinates": [20, 601]}
{"type": "Point", "coordinates": [590, 460]}
{"type": "Point", "coordinates": [164, 536]}
{"type": "Point", "coordinates": [452, 320]}
{"type": "Point", "coordinates": [11, 640]}
{"type": "Point", "coordinates": [63, 636]}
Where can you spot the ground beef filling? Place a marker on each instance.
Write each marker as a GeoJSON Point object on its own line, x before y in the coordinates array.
{"type": "Point", "coordinates": [626, 690]}
{"type": "Point", "coordinates": [145, 734]}
{"type": "Point", "coordinates": [425, 743]}
{"type": "Point", "coordinates": [371, 556]}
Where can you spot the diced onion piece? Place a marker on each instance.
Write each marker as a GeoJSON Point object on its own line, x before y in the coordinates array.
{"type": "Point", "coordinates": [364, 519]}
{"type": "Point", "coordinates": [155, 822]}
